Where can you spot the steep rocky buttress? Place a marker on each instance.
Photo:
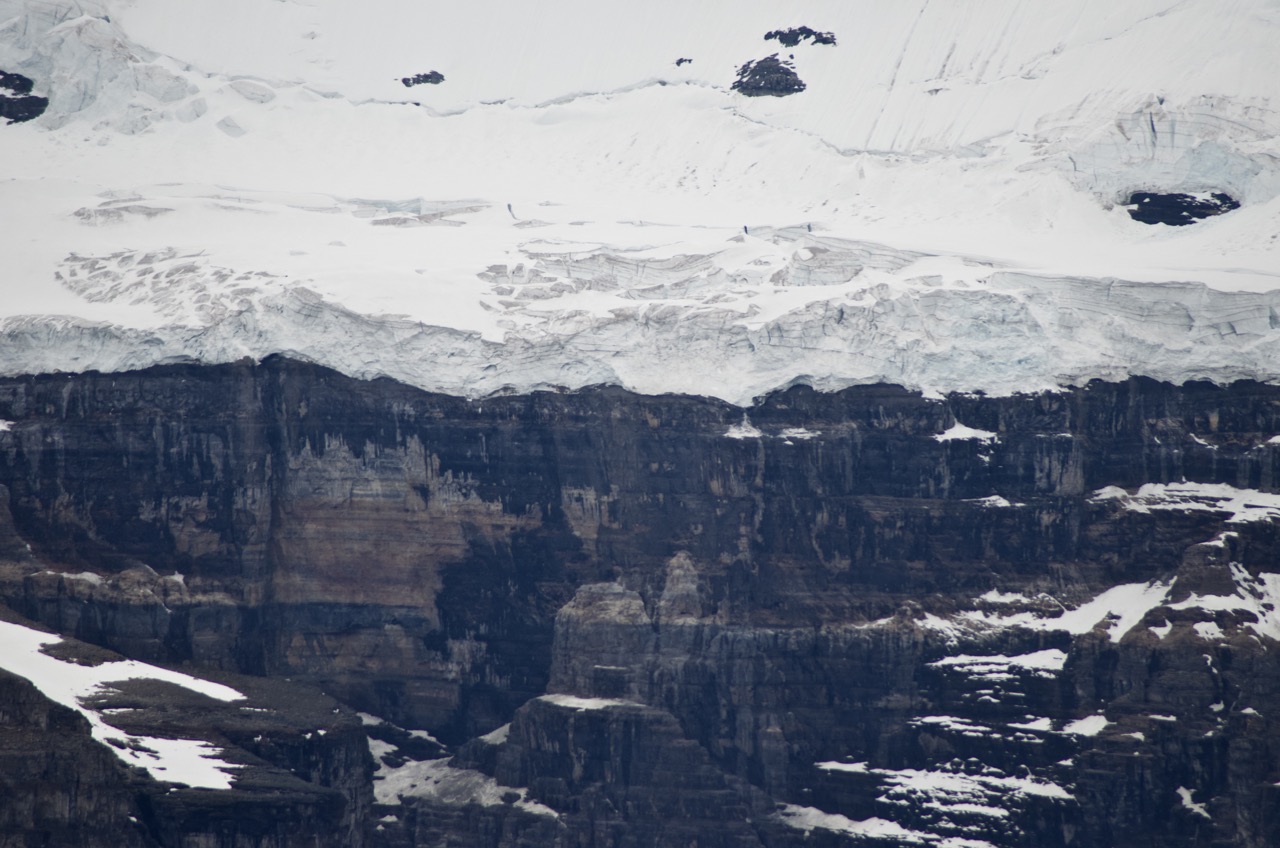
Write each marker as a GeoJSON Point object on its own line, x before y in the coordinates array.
{"type": "Point", "coordinates": [863, 617]}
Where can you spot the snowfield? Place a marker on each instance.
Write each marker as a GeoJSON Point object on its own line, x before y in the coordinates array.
{"type": "Point", "coordinates": [941, 207]}
{"type": "Point", "coordinates": [192, 762]}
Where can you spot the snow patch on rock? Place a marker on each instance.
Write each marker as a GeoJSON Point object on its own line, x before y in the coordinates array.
{"type": "Point", "coordinates": [1087, 726]}
{"type": "Point", "coordinates": [1185, 796]}
{"type": "Point", "coordinates": [1258, 597]}
{"type": "Point", "coordinates": [1047, 663]}
{"type": "Point", "coordinates": [744, 430]}
{"type": "Point", "coordinates": [809, 818]}
{"type": "Point", "coordinates": [1245, 505]}
{"type": "Point", "coordinates": [1122, 607]}
{"type": "Point", "coordinates": [439, 781]}
{"type": "Point", "coordinates": [574, 702]}
{"type": "Point", "coordinates": [192, 762]}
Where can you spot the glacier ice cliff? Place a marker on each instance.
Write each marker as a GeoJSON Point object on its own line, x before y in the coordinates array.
{"type": "Point", "coordinates": [829, 313]}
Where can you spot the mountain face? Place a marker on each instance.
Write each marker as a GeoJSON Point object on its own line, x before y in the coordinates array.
{"type": "Point", "coordinates": [579, 424]}
{"type": "Point", "coordinates": [863, 617]}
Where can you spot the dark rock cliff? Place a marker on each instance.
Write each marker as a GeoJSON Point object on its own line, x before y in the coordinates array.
{"type": "Point", "coordinates": [58, 786]}
{"type": "Point", "coordinates": [817, 606]}
{"type": "Point", "coordinates": [301, 764]}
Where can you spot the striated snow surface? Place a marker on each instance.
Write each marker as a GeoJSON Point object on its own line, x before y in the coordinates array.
{"type": "Point", "coordinates": [941, 207]}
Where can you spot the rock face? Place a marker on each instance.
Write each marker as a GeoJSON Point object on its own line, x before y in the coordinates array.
{"type": "Point", "coordinates": [58, 784]}
{"type": "Point", "coordinates": [860, 617]}
{"type": "Point", "coordinates": [795, 35]}
{"type": "Point", "coordinates": [300, 762]}
{"type": "Point", "coordinates": [429, 78]}
{"type": "Point", "coordinates": [628, 773]}
{"type": "Point", "coordinates": [768, 77]}
{"type": "Point", "coordinates": [17, 103]}
{"type": "Point", "coordinates": [1176, 209]}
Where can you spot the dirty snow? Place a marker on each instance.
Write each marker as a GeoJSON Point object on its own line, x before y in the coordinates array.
{"type": "Point", "coordinates": [438, 781]}
{"type": "Point", "coordinates": [744, 430]}
{"type": "Point", "coordinates": [808, 818]}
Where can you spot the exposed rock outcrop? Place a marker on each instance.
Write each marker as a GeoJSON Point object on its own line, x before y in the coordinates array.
{"type": "Point", "coordinates": [292, 766]}
{"type": "Point", "coordinates": [1039, 619]}
{"type": "Point", "coordinates": [59, 787]}
{"type": "Point", "coordinates": [768, 77]}
{"type": "Point", "coordinates": [1176, 209]}
{"type": "Point", "coordinates": [429, 78]}
{"type": "Point", "coordinates": [17, 103]}
{"type": "Point", "coordinates": [794, 35]}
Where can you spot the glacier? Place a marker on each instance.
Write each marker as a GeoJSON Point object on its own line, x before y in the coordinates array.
{"type": "Point", "coordinates": [941, 207]}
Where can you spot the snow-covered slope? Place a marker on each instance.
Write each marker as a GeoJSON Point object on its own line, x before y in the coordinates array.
{"type": "Point", "coordinates": [75, 684]}
{"type": "Point", "coordinates": [940, 207]}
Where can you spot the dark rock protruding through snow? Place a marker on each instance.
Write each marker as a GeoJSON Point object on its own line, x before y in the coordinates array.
{"type": "Point", "coordinates": [769, 76]}
{"type": "Point", "coordinates": [1176, 209]}
{"type": "Point", "coordinates": [429, 78]}
{"type": "Point", "coordinates": [17, 103]}
{"type": "Point", "coordinates": [793, 36]}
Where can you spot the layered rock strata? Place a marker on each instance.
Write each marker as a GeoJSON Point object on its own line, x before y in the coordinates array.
{"type": "Point", "coordinates": [295, 766]}
{"type": "Point", "coordinates": [858, 617]}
